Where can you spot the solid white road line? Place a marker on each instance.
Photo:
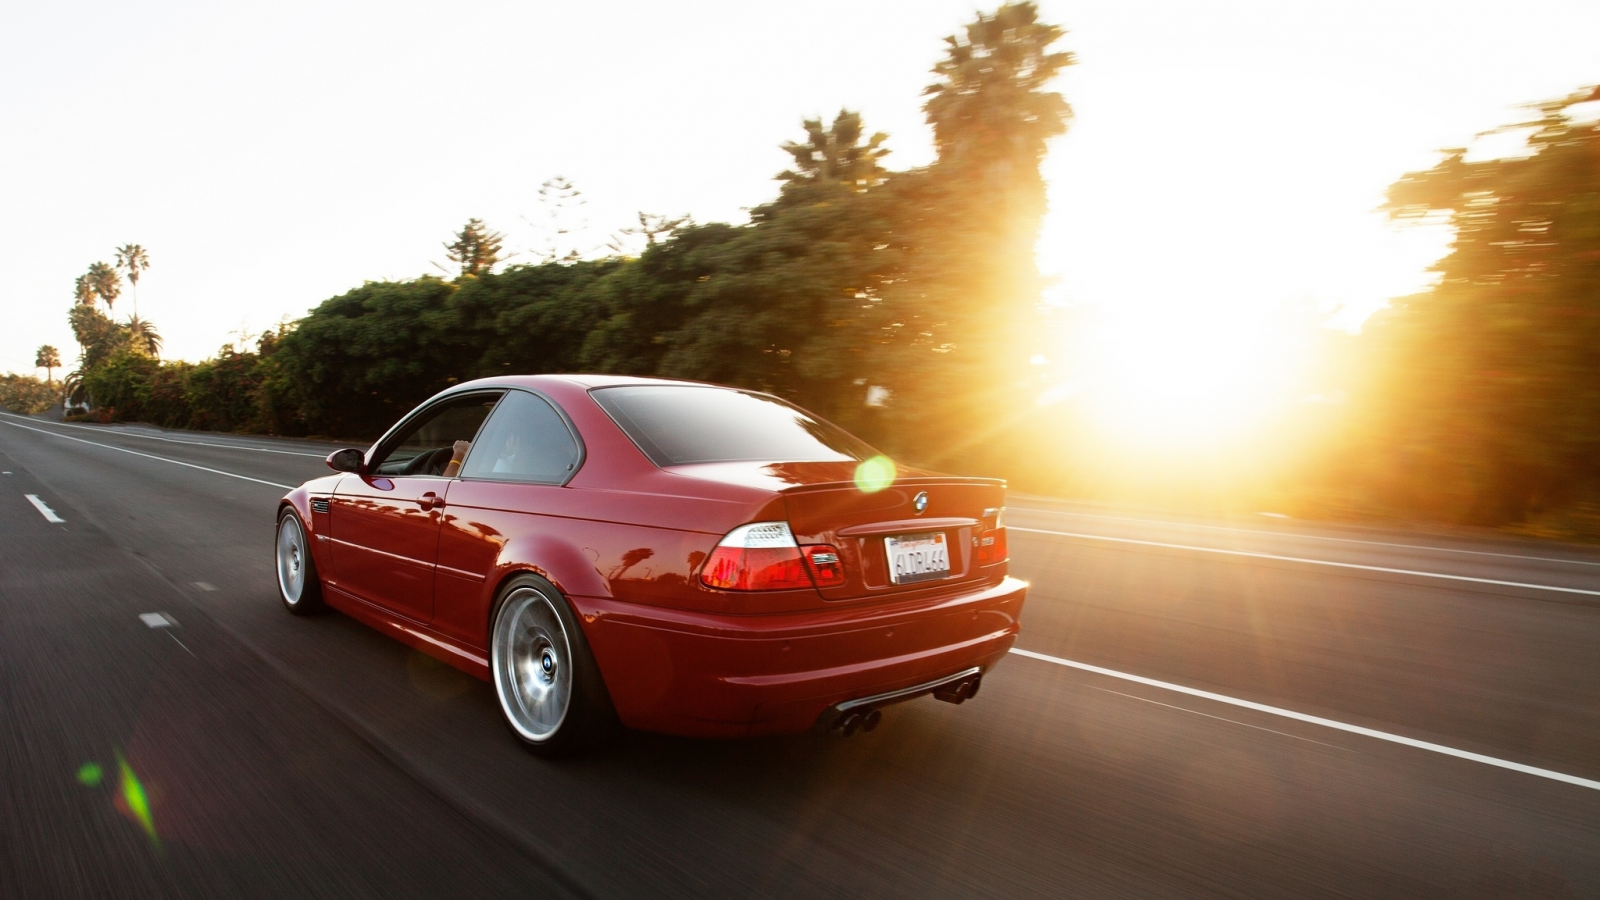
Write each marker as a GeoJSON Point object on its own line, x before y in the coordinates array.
{"type": "Point", "coordinates": [1315, 720]}
{"type": "Point", "coordinates": [152, 437]}
{"type": "Point", "coordinates": [176, 462]}
{"type": "Point", "coordinates": [1307, 537]}
{"type": "Point", "coordinates": [1310, 562]}
{"type": "Point", "coordinates": [48, 513]}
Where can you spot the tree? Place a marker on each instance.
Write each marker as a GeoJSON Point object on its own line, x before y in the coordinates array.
{"type": "Point", "coordinates": [476, 249]}
{"type": "Point", "coordinates": [968, 298]}
{"type": "Point", "coordinates": [83, 290]}
{"type": "Point", "coordinates": [143, 336]}
{"type": "Point", "coordinates": [836, 154]}
{"type": "Point", "coordinates": [96, 333]}
{"type": "Point", "coordinates": [652, 227]}
{"type": "Point", "coordinates": [563, 205]}
{"type": "Point", "coordinates": [25, 394]}
{"type": "Point", "coordinates": [133, 259]}
{"type": "Point", "coordinates": [359, 361]}
{"type": "Point", "coordinates": [107, 285]}
{"type": "Point", "coordinates": [989, 109]}
{"type": "Point", "coordinates": [1482, 402]}
{"type": "Point", "coordinates": [49, 359]}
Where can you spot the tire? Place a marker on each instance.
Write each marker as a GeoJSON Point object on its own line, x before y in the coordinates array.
{"type": "Point", "coordinates": [549, 688]}
{"type": "Point", "coordinates": [299, 587]}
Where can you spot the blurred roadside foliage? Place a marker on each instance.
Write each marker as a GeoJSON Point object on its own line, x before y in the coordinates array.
{"type": "Point", "coordinates": [1478, 401]}
{"type": "Point", "coordinates": [26, 395]}
{"type": "Point", "coordinates": [905, 305]}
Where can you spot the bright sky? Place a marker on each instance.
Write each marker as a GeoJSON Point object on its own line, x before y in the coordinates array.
{"type": "Point", "coordinates": [1225, 159]}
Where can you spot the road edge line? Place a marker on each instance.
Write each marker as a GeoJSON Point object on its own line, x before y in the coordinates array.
{"type": "Point", "coordinates": [1432, 548]}
{"type": "Point", "coordinates": [68, 437]}
{"type": "Point", "coordinates": [1315, 720]}
{"type": "Point", "coordinates": [1253, 554]}
{"type": "Point", "coordinates": [154, 437]}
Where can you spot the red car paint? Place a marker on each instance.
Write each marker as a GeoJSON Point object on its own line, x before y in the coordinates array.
{"type": "Point", "coordinates": [623, 540]}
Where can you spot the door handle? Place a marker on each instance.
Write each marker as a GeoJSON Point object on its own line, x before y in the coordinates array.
{"type": "Point", "coordinates": [430, 500]}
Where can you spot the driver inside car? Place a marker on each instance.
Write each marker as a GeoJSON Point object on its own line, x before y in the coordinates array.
{"type": "Point", "coordinates": [458, 453]}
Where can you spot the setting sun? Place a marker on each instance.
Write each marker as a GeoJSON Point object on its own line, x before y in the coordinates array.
{"type": "Point", "coordinates": [1188, 377]}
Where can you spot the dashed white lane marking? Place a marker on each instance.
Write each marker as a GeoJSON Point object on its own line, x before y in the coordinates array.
{"type": "Point", "coordinates": [165, 622]}
{"type": "Point", "coordinates": [1309, 537]}
{"type": "Point", "coordinates": [176, 462]}
{"type": "Point", "coordinates": [1315, 720]}
{"type": "Point", "coordinates": [152, 437]}
{"type": "Point", "coordinates": [205, 585]}
{"type": "Point", "coordinates": [1252, 554]}
{"type": "Point", "coordinates": [44, 509]}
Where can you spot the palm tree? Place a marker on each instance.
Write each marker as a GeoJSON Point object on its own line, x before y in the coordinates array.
{"type": "Point", "coordinates": [989, 108]}
{"type": "Point", "coordinates": [836, 154]}
{"type": "Point", "coordinates": [73, 389]}
{"type": "Point", "coordinates": [133, 259]}
{"type": "Point", "coordinates": [143, 335]}
{"type": "Point", "coordinates": [83, 290]}
{"type": "Point", "coordinates": [49, 358]}
{"type": "Point", "coordinates": [105, 282]}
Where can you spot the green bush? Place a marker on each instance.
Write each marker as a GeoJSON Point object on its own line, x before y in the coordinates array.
{"type": "Point", "coordinates": [27, 395]}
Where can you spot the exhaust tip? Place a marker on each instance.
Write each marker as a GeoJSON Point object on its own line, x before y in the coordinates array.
{"type": "Point", "coordinates": [960, 691]}
{"type": "Point", "coordinates": [871, 720]}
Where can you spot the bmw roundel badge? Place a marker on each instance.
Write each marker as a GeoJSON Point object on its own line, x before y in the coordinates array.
{"type": "Point", "coordinates": [920, 502]}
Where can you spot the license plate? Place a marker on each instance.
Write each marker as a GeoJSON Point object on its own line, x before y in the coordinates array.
{"type": "Point", "coordinates": [918, 557]}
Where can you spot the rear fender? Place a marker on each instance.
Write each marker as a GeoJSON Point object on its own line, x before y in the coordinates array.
{"type": "Point", "coordinates": [562, 564]}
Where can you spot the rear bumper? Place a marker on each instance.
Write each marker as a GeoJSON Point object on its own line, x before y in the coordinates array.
{"type": "Point", "coordinates": [705, 675]}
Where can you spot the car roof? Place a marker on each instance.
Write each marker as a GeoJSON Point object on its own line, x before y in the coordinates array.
{"type": "Point", "coordinates": [585, 380]}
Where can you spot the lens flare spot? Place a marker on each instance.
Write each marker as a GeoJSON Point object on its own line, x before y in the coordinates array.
{"type": "Point", "coordinates": [874, 474]}
{"type": "Point", "coordinates": [135, 801]}
{"type": "Point", "coordinates": [89, 774]}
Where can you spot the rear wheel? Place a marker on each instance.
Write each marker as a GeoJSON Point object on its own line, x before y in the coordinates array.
{"type": "Point", "coordinates": [549, 687]}
{"type": "Point", "coordinates": [298, 585]}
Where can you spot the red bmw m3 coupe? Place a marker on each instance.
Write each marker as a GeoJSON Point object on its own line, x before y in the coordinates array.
{"type": "Point", "coordinates": [664, 555]}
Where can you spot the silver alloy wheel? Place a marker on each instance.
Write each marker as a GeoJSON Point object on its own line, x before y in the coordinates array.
{"type": "Point", "coordinates": [533, 665]}
{"type": "Point", "coordinates": [291, 559]}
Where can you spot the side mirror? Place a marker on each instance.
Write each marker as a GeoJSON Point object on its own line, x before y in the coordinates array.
{"type": "Point", "coordinates": [348, 460]}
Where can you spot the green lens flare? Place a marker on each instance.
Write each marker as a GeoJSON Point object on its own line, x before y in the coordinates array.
{"type": "Point", "coordinates": [89, 774]}
{"type": "Point", "coordinates": [875, 474]}
{"type": "Point", "coordinates": [134, 796]}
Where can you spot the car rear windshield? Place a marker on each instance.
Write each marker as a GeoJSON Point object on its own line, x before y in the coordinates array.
{"type": "Point", "coordinates": [677, 425]}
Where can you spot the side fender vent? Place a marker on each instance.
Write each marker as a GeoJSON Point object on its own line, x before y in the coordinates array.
{"type": "Point", "coordinates": [319, 505]}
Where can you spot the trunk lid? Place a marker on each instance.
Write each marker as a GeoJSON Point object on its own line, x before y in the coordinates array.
{"type": "Point", "coordinates": [824, 505]}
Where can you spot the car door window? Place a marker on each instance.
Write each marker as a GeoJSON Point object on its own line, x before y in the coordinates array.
{"type": "Point", "coordinates": [427, 443]}
{"type": "Point", "coordinates": [525, 440]}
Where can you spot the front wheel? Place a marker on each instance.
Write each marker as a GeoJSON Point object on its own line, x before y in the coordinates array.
{"type": "Point", "coordinates": [298, 585]}
{"type": "Point", "coordinates": [549, 687]}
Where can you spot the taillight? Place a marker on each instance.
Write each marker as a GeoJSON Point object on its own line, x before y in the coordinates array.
{"type": "Point", "coordinates": [762, 556]}
{"type": "Point", "coordinates": [826, 569]}
{"type": "Point", "coordinates": [992, 539]}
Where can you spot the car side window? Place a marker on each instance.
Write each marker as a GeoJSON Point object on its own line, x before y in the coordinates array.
{"type": "Point", "coordinates": [525, 440]}
{"type": "Point", "coordinates": [428, 443]}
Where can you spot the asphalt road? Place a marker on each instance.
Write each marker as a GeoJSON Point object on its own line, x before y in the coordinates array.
{"type": "Point", "coordinates": [1249, 708]}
